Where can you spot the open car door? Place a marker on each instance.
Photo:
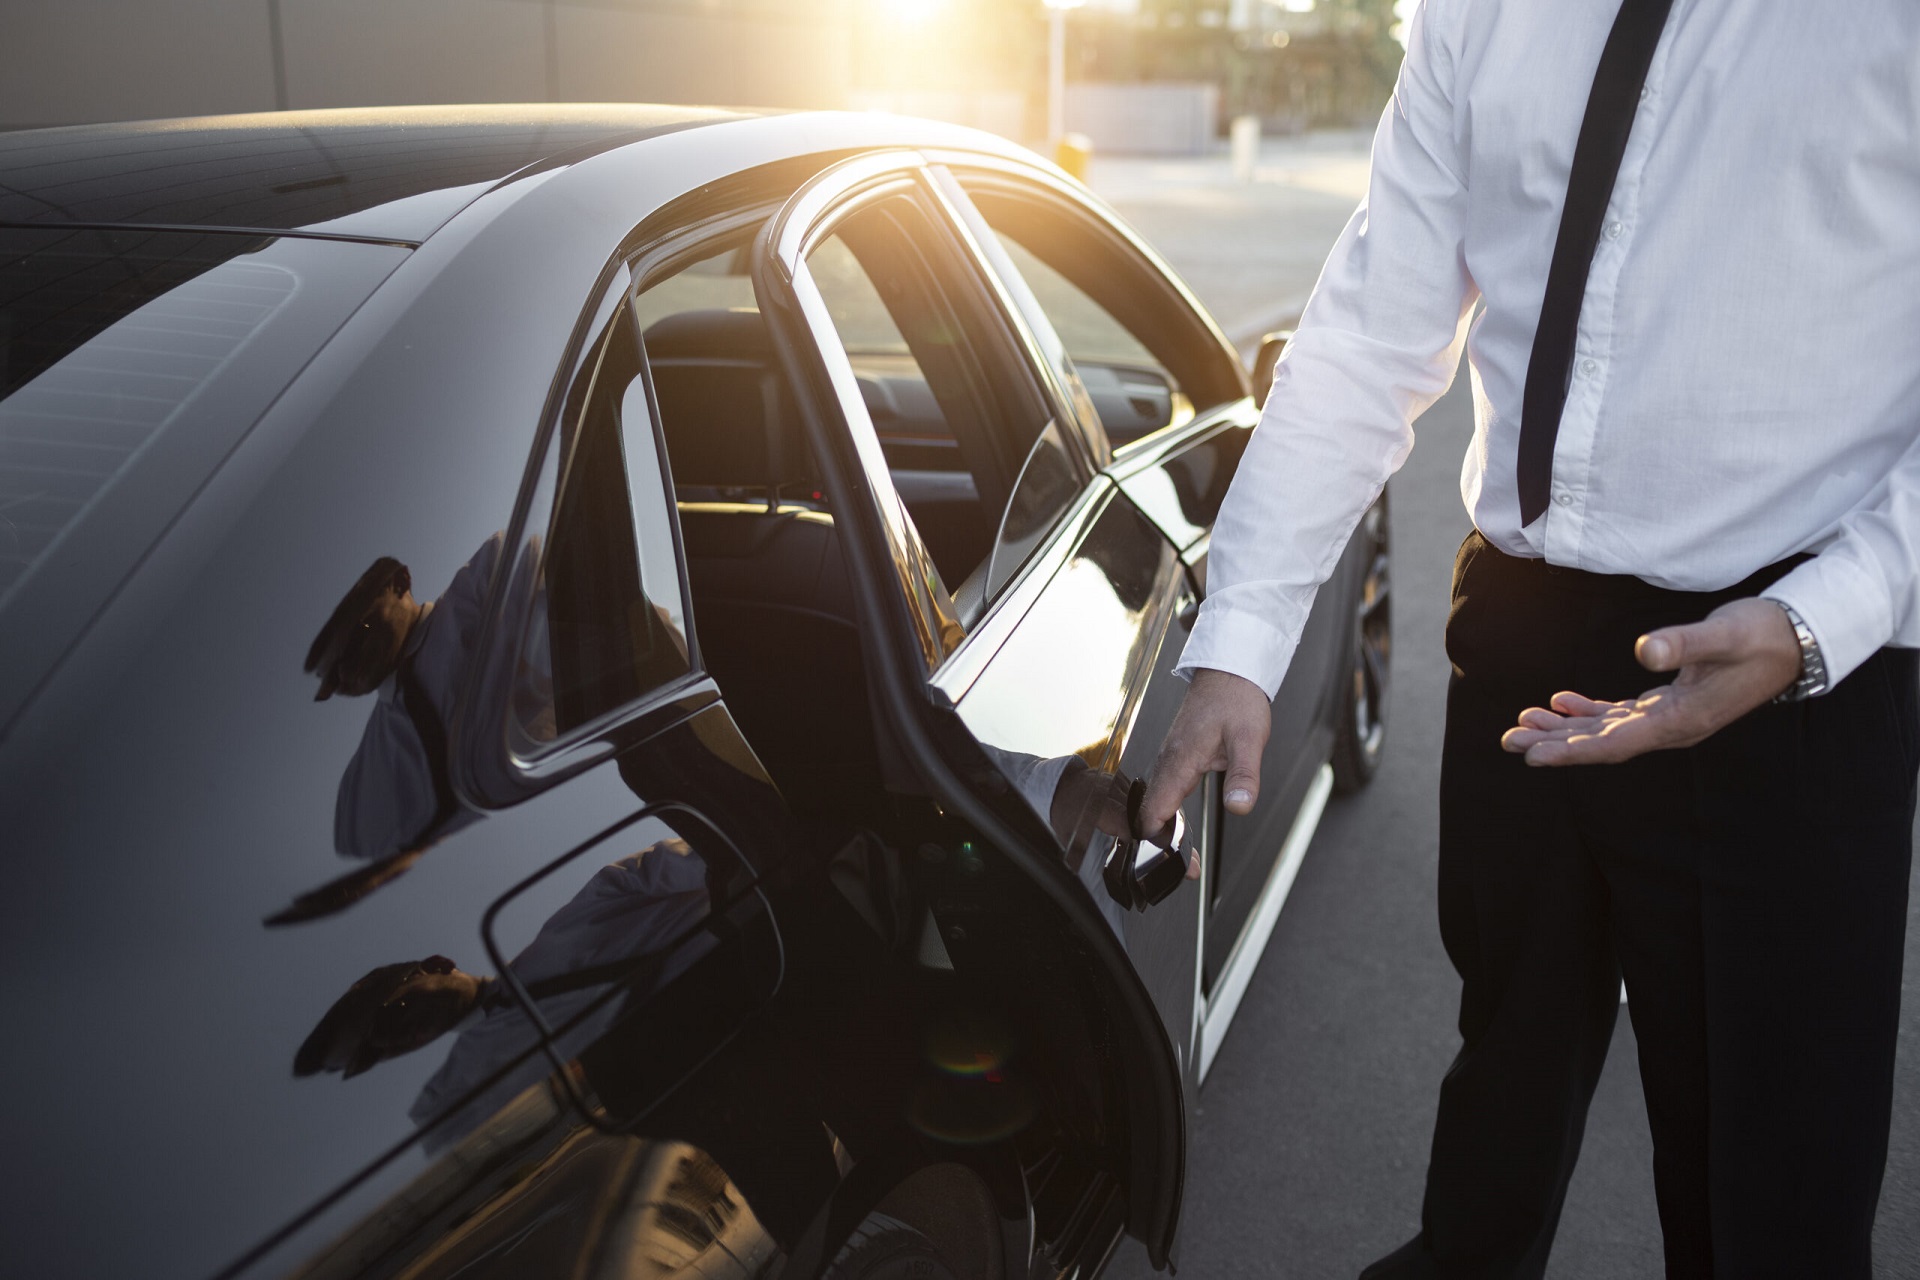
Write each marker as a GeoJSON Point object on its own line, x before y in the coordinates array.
{"type": "Point", "coordinates": [933, 369]}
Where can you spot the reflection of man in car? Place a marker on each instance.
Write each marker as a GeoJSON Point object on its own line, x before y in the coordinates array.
{"type": "Point", "coordinates": [1089, 811]}
{"type": "Point", "coordinates": [640, 906]}
{"type": "Point", "coordinates": [646, 907]}
{"type": "Point", "coordinates": [395, 794]}
{"type": "Point", "coordinates": [395, 1009]}
{"type": "Point", "coordinates": [635, 928]}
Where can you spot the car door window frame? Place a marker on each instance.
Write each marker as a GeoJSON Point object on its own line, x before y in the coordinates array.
{"type": "Point", "coordinates": [1050, 191]}
{"type": "Point", "coordinates": [487, 770]}
{"type": "Point", "coordinates": [810, 219]}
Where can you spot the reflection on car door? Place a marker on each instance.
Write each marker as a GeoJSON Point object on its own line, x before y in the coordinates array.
{"type": "Point", "coordinates": [1067, 591]}
{"type": "Point", "coordinates": [1072, 671]}
{"type": "Point", "coordinates": [617, 967]}
{"type": "Point", "coordinates": [1043, 616]}
{"type": "Point", "coordinates": [1166, 402]}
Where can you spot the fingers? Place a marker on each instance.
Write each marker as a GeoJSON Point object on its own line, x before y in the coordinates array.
{"type": "Point", "coordinates": [1572, 714]}
{"type": "Point", "coordinates": [1715, 638]}
{"type": "Point", "coordinates": [1222, 725]}
{"type": "Point", "coordinates": [1176, 773]}
{"type": "Point", "coordinates": [1619, 740]}
{"type": "Point", "coordinates": [1568, 703]}
{"type": "Point", "coordinates": [1240, 789]}
{"type": "Point", "coordinates": [1616, 731]}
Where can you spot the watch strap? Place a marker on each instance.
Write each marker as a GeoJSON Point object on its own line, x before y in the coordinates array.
{"type": "Point", "coordinates": [1812, 680]}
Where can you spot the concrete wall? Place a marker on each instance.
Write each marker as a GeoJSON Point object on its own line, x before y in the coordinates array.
{"type": "Point", "coordinates": [72, 61]}
{"type": "Point", "coordinates": [1001, 111]}
{"type": "Point", "coordinates": [1145, 119]}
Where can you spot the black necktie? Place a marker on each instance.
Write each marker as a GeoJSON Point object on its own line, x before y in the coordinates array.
{"type": "Point", "coordinates": [1596, 160]}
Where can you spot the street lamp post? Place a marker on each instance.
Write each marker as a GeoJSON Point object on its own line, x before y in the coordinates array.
{"type": "Point", "coordinates": [1057, 68]}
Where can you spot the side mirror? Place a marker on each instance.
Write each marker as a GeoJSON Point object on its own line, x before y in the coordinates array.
{"type": "Point", "coordinates": [1271, 347]}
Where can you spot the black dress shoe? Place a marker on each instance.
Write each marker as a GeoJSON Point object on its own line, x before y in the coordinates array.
{"type": "Point", "coordinates": [1409, 1262]}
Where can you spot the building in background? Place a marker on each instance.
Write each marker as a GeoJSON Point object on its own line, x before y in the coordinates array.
{"type": "Point", "coordinates": [1145, 75]}
{"type": "Point", "coordinates": [1293, 63]}
{"type": "Point", "coordinates": [71, 61]}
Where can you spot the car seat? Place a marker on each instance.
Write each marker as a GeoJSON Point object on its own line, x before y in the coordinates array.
{"type": "Point", "coordinates": [772, 604]}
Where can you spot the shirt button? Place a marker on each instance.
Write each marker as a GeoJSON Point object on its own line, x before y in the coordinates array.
{"type": "Point", "coordinates": [1564, 498]}
{"type": "Point", "coordinates": [1613, 230]}
{"type": "Point", "coordinates": [1645, 93]}
{"type": "Point", "coordinates": [1589, 367]}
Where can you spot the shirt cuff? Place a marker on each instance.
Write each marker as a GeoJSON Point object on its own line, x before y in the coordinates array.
{"type": "Point", "coordinates": [1843, 604]}
{"type": "Point", "coordinates": [1033, 777]}
{"type": "Point", "coordinates": [1240, 644]}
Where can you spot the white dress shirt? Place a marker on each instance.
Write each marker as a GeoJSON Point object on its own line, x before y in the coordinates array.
{"type": "Point", "coordinates": [1746, 379]}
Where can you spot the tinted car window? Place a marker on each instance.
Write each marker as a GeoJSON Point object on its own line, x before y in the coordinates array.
{"type": "Point", "coordinates": [608, 622]}
{"type": "Point", "coordinates": [1048, 483]}
{"type": "Point", "coordinates": [718, 281]}
{"type": "Point", "coordinates": [971, 444]}
{"type": "Point", "coordinates": [105, 339]}
{"type": "Point", "coordinates": [1147, 359]}
{"type": "Point", "coordinates": [131, 363]}
{"type": "Point", "coordinates": [1131, 389]}
{"type": "Point", "coordinates": [102, 350]}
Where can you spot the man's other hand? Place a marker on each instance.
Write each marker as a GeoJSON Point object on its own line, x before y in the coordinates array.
{"type": "Point", "coordinates": [1222, 726]}
{"type": "Point", "coordinates": [1739, 656]}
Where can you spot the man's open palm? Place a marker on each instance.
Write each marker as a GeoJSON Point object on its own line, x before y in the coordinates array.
{"type": "Point", "coordinates": [1739, 656]}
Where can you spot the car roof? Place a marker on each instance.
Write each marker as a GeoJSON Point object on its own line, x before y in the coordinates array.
{"type": "Point", "coordinates": [535, 225]}
{"type": "Point", "coordinates": [390, 173]}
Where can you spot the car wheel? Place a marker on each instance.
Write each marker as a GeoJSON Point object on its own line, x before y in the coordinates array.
{"type": "Point", "coordinates": [1362, 727]}
{"type": "Point", "coordinates": [885, 1248]}
{"type": "Point", "coordinates": [940, 1224]}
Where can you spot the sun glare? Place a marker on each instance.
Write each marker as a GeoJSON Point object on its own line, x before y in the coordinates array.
{"type": "Point", "coordinates": [914, 10]}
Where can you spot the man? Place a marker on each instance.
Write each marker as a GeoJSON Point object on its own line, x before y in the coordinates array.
{"type": "Point", "coordinates": [1731, 515]}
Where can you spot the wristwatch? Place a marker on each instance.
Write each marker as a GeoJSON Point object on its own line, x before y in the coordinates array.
{"type": "Point", "coordinates": [1812, 679]}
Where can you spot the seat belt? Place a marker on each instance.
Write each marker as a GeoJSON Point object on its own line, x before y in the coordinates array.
{"type": "Point", "coordinates": [1611, 105]}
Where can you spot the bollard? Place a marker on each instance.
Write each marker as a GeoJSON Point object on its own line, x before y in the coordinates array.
{"type": "Point", "coordinates": [1073, 152]}
{"type": "Point", "coordinates": [1246, 147]}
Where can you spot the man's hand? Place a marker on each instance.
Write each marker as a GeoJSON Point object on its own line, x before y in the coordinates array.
{"type": "Point", "coordinates": [1222, 725]}
{"type": "Point", "coordinates": [1739, 656]}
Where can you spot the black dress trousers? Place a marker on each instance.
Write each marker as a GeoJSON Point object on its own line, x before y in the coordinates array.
{"type": "Point", "coordinates": [1752, 890]}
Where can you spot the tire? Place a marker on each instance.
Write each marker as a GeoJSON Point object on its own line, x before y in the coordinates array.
{"type": "Point", "coordinates": [1360, 733]}
{"type": "Point", "coordinates": [884, 1248]}
{"type": "Point", "coordinates": [939, 1224]}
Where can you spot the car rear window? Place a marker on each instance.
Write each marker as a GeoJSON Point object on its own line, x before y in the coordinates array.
{"type": "Point", "coordinates": [101, 353]}
{"type": "Point", "coordinates": [131, 363]}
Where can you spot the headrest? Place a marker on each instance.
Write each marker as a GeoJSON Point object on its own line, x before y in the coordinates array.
{"type": "Point", "coordinates": [726, 428]}
{"type": "Point", "coordinates": [736, 334]}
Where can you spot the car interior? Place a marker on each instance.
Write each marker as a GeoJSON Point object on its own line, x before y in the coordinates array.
{"type": "Point", "coordinates": [772, 603]}
{"type": "Point", "coordinates": [973, 446]}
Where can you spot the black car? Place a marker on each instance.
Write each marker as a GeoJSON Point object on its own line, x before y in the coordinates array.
{"type": "Point", "coordinates": [571, 683]}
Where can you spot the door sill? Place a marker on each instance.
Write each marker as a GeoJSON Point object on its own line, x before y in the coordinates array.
{"type": "Point", "coordinates": [1220, 1007]}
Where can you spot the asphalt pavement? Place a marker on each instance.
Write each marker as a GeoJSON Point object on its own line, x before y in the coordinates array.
{"type": "Point", "coordinates": [1309, 1150]}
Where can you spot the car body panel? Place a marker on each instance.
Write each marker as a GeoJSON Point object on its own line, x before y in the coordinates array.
{"type": "Point", "coordinates": [383, 173]}
{"type": "Point", "coordinates": [170, 789]}
{"type": "Point", "coordinates": [842, 428]}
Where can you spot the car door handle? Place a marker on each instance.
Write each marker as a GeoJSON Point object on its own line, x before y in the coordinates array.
{"type": "Point", "coordinates": [1144, 869]}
